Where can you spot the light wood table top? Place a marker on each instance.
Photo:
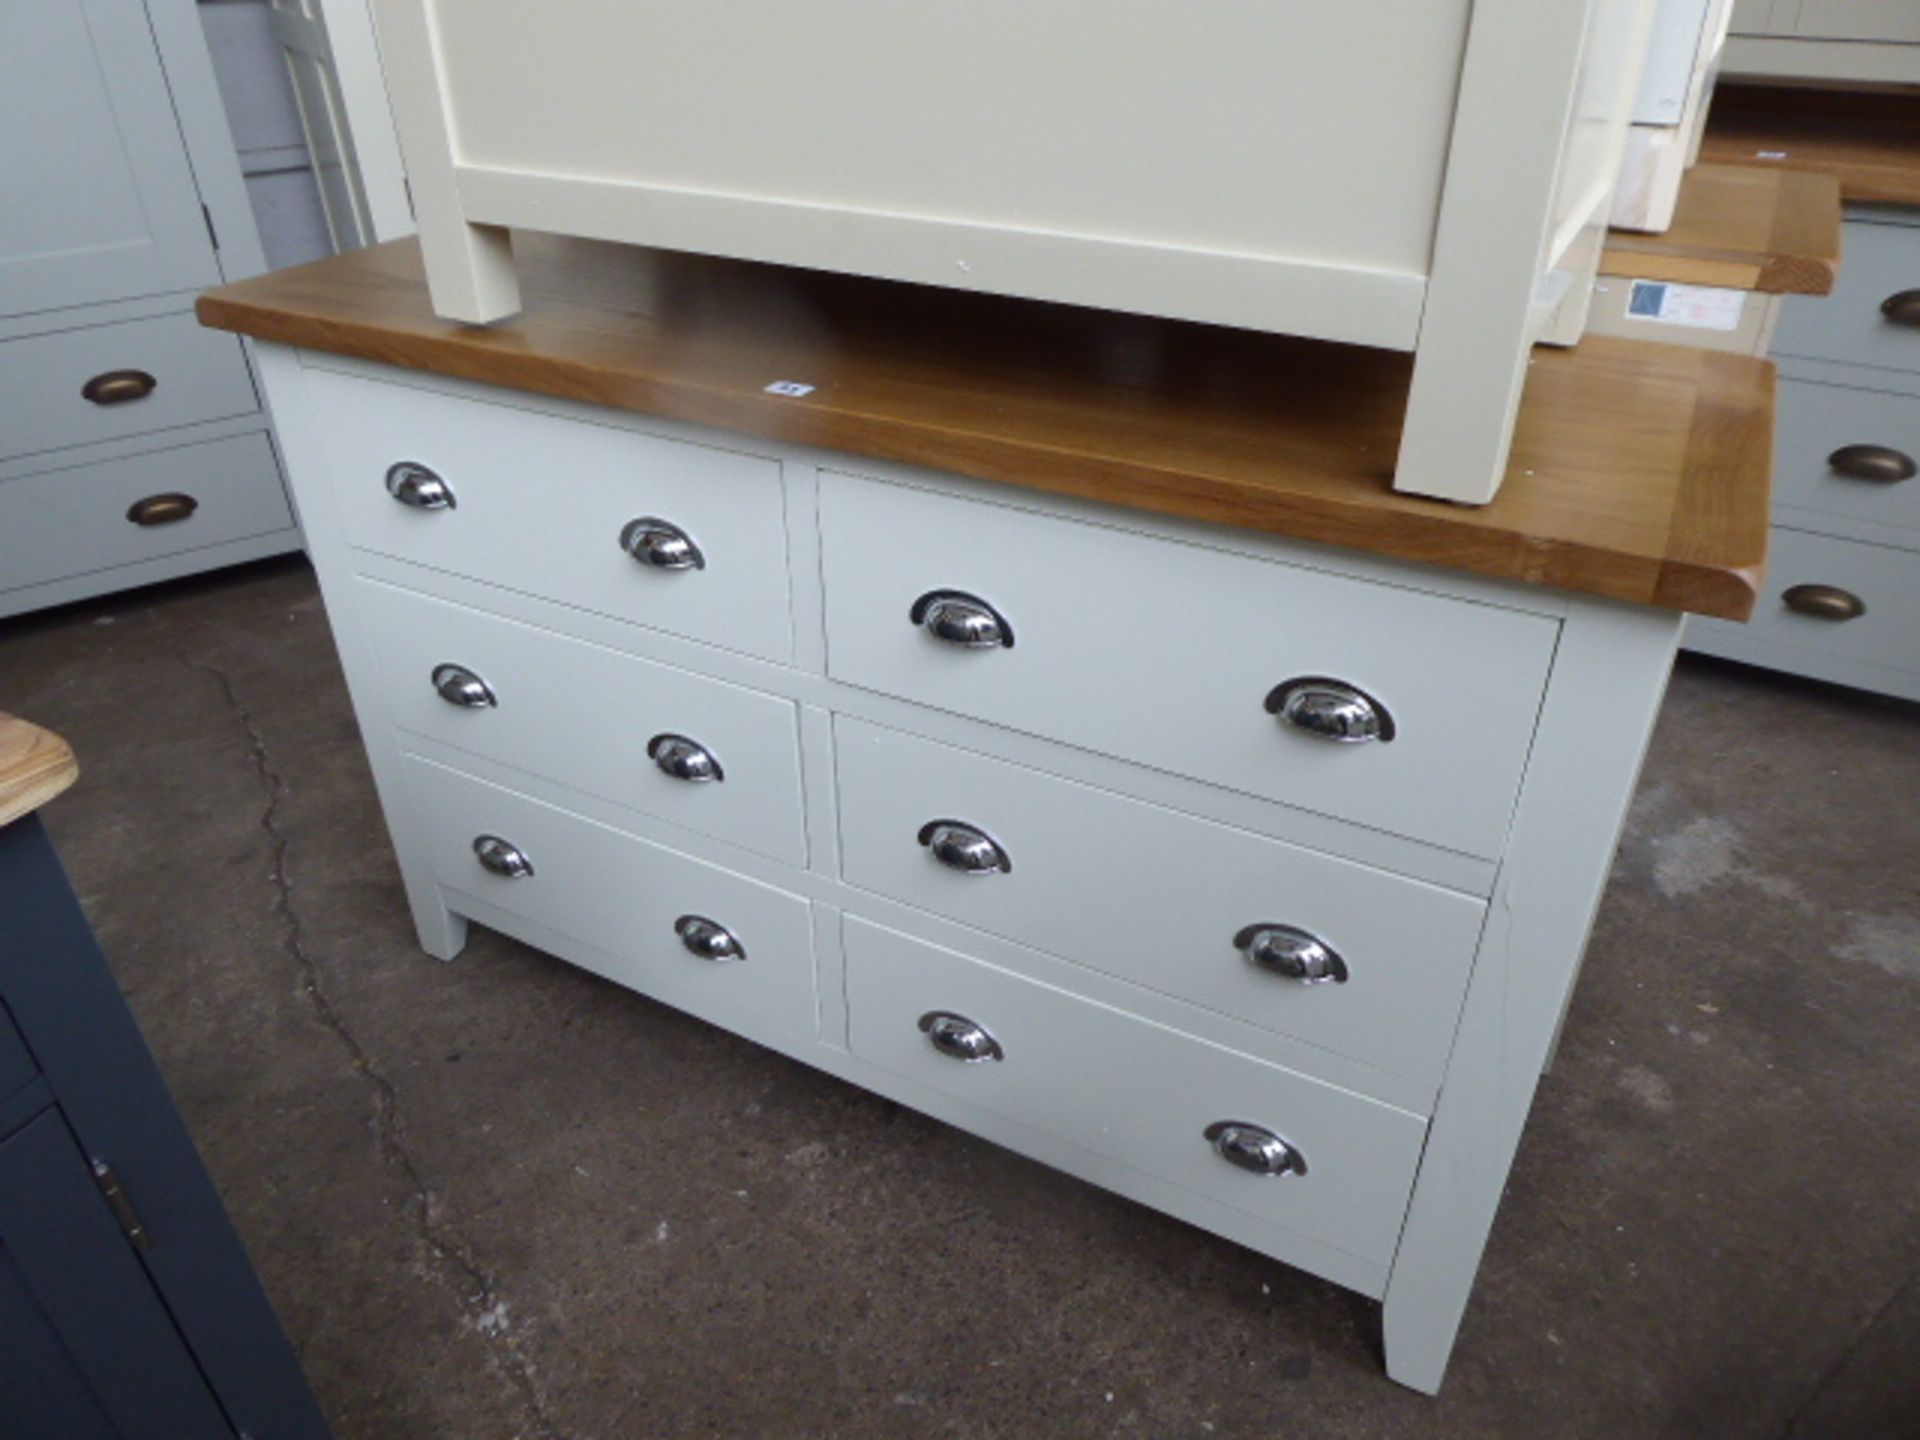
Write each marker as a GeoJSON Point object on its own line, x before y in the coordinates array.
{"type": "Point", "coordinates": [1741, 227]}
{"type": "Point", "coordinates": [1640, 471]}
{"type": "Point", "coordinates": [35, 766]}
{"type": "Point", "coordinates": [1870, 140]}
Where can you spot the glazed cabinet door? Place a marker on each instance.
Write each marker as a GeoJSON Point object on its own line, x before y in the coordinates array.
{"type": "Point", "coordinates": [89, 1349]}
{"type": "Point", "coordinates": [99, 198]}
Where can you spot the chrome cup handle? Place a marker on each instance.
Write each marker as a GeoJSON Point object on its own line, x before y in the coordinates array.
{"type": "Point", "coordinates": [965, 848]}
{"type": "Point", "coordinates": [458, 685]}
{"type": "Point", "coordinates": [959, 1038]}
{"type": "Point", "coordinates": [1330, 710]}
{"type": "Point", "coordinates": [500, 858]}
{"type": "Point", "coordinates": [685, 759]}
{"type": "Point", "coordinates": [1256, 1149]}
{"type": "Point", "coordinates": [961, 620]}
{"type": "Point", "coordinates": [1293, 953]}
{"type": "Point", "coordinates": [661, 544]}
{"type": "Point", "coordinates": [413, 484]}
{"type": "Point", "coordinates": [708, 939]}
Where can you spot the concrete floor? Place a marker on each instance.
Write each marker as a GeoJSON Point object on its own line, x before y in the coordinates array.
{"type": "Point", "coordinates": [503, 1198]}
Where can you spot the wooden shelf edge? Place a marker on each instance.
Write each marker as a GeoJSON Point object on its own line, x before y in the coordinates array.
{"type": "Point", "coordinates": [35, 766]}
{"type": "Point", "coordinates": [1773, 232]}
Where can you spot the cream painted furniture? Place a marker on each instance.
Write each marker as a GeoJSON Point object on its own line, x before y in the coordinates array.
{"type": "Point", "coordinates": [133, 447]}
{"type": "Point", "coordinates": [1670, 111]}
{"type": "Point", "coordinates": [1188, 810]}
{"type": "Point", "coordinates": [1429, 176]}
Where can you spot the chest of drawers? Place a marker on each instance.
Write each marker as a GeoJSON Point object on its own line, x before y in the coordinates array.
{"type": "Point", "coordinates": [1245, 876]}
{"type": "Point", "coordinates": [1845, 584]}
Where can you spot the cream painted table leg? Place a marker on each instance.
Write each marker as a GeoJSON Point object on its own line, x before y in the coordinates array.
{"type": "Point", "coordinates": [302, 433]}
{"type": "Point", "coordinates": [1609, 677]}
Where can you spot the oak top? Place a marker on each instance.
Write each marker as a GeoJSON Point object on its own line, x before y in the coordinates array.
{"type": "Point", "coordinates": [1741, 228]}
{"type": "Point", "coordinates": [1640, 471]}
{"type": "Point", "coordinates": [1869, 139]}
{"type": "Point", "coordinates": [35, 766]}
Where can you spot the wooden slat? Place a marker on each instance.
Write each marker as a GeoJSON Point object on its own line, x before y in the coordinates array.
{"type": "Point", "coordinates": [1869, 140]}
{"type": "Point", "coordinates": [35, 766]}
{"type": "Point", "coordinates": [1741, 228]}
{"type": "Point", "coordinates": [1258, 431]}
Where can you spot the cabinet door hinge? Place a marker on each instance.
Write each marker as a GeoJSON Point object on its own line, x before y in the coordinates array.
{"type": "Point", "coordinates": [213, 235]}
{"type": "Point", "coordinates": [121, 1204]}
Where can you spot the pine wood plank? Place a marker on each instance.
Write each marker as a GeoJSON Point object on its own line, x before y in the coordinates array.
{"type": "Point", "coordinates": [1870, 140]}
{"type": "Point", "coordinates": [35, 766]}
{"type": "Point", "coordinates": [1741, 228]}
{"type": "Point", "coordinates": [1618, 485]}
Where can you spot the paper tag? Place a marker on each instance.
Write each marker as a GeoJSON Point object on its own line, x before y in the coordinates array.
{"type": "Point", "coordinates": [1698, 306]}
{"type": "Point", "coordinates": [789, 387]}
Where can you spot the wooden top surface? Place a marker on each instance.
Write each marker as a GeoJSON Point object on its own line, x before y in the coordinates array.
{"type": "Point", "coordinates": [1640, 471]}
{"type": "Point", "coordinates": [35, 766]}
{"type": "Point", "coordinates": [1741, 228]}
{"type": "Point", "coordinates": [1869, 139]}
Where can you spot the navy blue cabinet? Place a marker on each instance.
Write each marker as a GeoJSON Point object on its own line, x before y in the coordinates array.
{"type": "Point", "coordinates": [127, 1306]}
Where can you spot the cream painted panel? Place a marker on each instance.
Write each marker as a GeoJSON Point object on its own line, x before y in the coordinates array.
{"type": "Point", "coordinates": [540, 504]}
{"type": "Point", "coordinates": [1848, 326]}
{"type": "Point", "coordinates": [1135, 1091]}
{"type": "Point", "coordinates": [622, 895]}
{"type": "Point", "coordinates": [1165, 653]}
{"type": "Point", "coordinates": [584, 716]}
{"type": "Point", "coordinates": [1276, 129]}
{"type": "Point", "coordinates": [71, 521]}
{"type": "Point", "coordinates": [1897, 20]}
{"type": "Point", "coordinates": [198, 375]}
{"type": "Point", "coordinates": [1818, 421]}
{"type": "Point", "coordinates": [1157, 897]}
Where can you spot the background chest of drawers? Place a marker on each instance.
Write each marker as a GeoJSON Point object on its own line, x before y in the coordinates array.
{"type": "Point", "coordinates": [1245, 877]}
{"type": "Point", "coordinates": [1844, 590]}
{"type": "Point", "coordinates": [133, 446]}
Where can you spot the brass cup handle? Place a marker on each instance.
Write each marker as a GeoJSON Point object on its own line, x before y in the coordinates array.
{"type": "Point", "coordinates": [1330, 709]}
{"type": "Point", "coordinates": [167, 509]}
{"type": "Point", "coordinates": [685, 759]}
{"type": "Point", "coordinates": [1256, 1149]}
{"type": "Point", "coordinates": [661, 544]}
{"type": "Point", "coordinates": [1902, 308]}
{"type": "Point", "coordinates": [1292, 953]}
{"type": "Point", "coordinates": [966, 848]}
{"type": "Point", "coordinates": [1881, 464]}
{"type": "Point", "coordinates": [1824, 602]}
{"type": "Point", "coordinates": [959, 619]}
{"type": "Point", "coordinates": [497, 857]}
{"type": "Point", "coordinates": [959, 1038]}
{"type": "Point", "coordinates": [708, 939]}
{"type": "Point", "coordinates": [458, 685]}
{"type": "Point", "coordinates": [117, 387]}
{"type": "Point", "coordinates": [414, 485]}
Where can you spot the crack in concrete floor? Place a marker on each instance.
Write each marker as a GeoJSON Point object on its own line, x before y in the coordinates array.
{"type": "Point", "coordinates": [454, 1262]}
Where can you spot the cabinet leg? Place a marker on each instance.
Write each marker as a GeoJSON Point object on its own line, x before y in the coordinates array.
{"type": "Point", "coordinates": [443, 934]}
{"type": "Point", "coordinates": [470, 272]}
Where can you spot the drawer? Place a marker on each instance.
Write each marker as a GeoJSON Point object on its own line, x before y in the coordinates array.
{"type": "Point", "coordinates": [1160, 898]}
{"type": "Point", "coordinates": [1840, 452]}
{"type": "Point", "coordinates": [70, 522]}
{"type": "Point", "coordinates": [1135, 1091]}
{"type": "Point", "coordinates": [588, 717]}
{"type": "Point", "coordinates": [1848, 326]}
{"type": "Point", "coordinates": [541, 504]}
{"type": "Point", "coordinates": [1168, 653]}
{"type": "Point", "coordinates": [626, 897]}
{"type": "Point", "coordinates": [1885, 580]}
{"type": "Point", "coordinates": [16, 1061]}
{"type": "Point", "coordinates": [107, 382]}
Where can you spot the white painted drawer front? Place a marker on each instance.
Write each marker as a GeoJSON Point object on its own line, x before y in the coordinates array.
{"type": "Point", "coordinates": [585, 716]}
{"type": "Point", "coordinates": [1848, 326]}
{"type": "Point", "coordinates": [1886, 580]}
{"type": "Point", "coordinates": [1825, 431]}
{"type": "Point", "coordinates": [1158, 898]}
{"type": "Point", "coordinates": [1166, 653]}
{"type": "Point", "coordinates": [1135, 1091]}
{"type": "Point", "coordinates": [73, 521]}
{"type": "Point", "coordinates": [540, 504]}
{"type": "Point", "coordinates": [622, 895]}
{"type": "Point", "coordinates": [195, 374]}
